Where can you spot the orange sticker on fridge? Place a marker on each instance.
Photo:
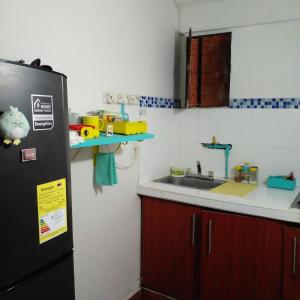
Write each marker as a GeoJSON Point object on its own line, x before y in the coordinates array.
{"type": "Point", "coordinates": [52, 209]}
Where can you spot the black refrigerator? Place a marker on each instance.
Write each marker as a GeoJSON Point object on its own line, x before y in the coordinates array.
{"type": "Point", "coordinates": [36, 244]}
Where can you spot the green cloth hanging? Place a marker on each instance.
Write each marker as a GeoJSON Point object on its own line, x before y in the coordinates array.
{"type": "Point", "coordinates": [105, 169]}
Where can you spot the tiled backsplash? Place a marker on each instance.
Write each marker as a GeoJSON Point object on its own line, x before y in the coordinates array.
{"type": "Point", "coordinates": [262, 103]}
{"type": "Point", "coordinates": [244, 103]}
{"type": "Point", "coordinates": [264, 137]}
{"type": "Point", "coordinates": [158, 102]}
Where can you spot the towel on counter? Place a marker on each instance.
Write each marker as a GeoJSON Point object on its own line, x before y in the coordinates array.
{"type": "Point", "coordinates": [105, 169]}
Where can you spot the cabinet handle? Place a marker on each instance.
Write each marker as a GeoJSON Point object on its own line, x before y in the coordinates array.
{"type": "Point", "coordinates": [193, 230]}
{"type": "Point", "coordinates": [294, 255]}
{"type": "Point", "coordinates": [209, 237]}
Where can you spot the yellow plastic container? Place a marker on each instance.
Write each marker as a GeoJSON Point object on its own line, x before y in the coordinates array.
{"type": "Point", "coordinates": [127, 127]}
{"type": "Point", "coordinates": [93, 121]}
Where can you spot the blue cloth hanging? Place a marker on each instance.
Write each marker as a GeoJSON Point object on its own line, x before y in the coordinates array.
{"type": "Point", "coordinates": [105, 169]}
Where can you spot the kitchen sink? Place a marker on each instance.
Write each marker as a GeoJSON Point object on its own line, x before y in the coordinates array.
{"type": "Point", "coordinates": [296, 203]}
{"type": "Point", "coordinates": [198, 183]}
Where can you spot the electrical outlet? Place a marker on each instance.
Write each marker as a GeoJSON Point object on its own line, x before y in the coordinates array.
{"type": "Point", "coordinates": [126, 99]}
{"type": "Point", "coordinates": [122, 98]}
{"type": "Point", "coordinates": [119, 98]}
{"type": "Point", "coordinates": [133, 100]}
{"type": "Point", "coordinates": [108, 97]}
{"type": "Point", "coordinates": [111, 98]}
{"type": "Point", "coordinates": [136, 100]}
{"type": "Point", "coordinates": [130, 100]}
{"type": "Point", "coordinates": [115, 99]}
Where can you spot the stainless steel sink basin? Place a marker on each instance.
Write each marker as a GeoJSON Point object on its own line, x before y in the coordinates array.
{"type": "Point", "coordinates": [198, 183]}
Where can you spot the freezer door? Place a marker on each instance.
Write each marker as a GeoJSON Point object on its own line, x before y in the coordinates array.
{"type": "Point", "coordinates": [55, 282]}
{"type": "Point", "coordinates": [21, 252]}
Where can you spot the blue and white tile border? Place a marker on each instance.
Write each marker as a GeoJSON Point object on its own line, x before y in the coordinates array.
{"type": "Point", "coordinates": [158, 102]}
{"type": "Point", "coordinates": [244, 103]}
{"type": "Point", "coordinates": [265, 103]}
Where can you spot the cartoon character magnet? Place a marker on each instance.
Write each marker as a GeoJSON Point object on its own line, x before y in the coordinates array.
{"type": "Point", "coordinates": [13, 126]}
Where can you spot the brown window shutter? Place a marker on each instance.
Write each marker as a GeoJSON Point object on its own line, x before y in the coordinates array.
{"type": "Point", "coordinates": [215, 73]}
{"type": "Point", "coordinates": [208, 79]}
{"type": "Point", "coordinates": [193, 74]}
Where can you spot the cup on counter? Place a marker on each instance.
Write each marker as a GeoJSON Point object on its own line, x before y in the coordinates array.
{"type": "Point", "coordinates": [93, 121]}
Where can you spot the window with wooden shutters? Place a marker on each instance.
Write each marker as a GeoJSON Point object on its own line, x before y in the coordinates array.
{"type": "Point", "coordinates": [208, 70]}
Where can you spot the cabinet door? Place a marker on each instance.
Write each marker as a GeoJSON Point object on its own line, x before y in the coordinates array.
{"type": "Point", "coordinates": [149, 295]}
{"type": "Point", "coordinates": [169, 243]}
{"type": "Point", "coordinates": [241, 257]}
{"type": "Point", "coordinates": [291, 264]}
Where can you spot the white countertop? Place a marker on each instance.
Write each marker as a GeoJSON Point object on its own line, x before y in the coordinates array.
{"type": "Point", "coordinates": [263, 201]}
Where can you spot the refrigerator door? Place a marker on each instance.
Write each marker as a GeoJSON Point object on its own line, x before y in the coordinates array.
{"type": "Point", "coordinates": [21, 251]}
{"type": "Point", "coordinates": [53, 283]}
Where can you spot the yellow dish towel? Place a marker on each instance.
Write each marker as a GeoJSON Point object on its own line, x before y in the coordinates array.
{"type": "Point", "coordinates": [234, 188]}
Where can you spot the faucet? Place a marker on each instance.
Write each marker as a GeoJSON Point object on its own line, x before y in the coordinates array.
{"type": "Point", "coordinates": [226, 147]}
{"type": "Point", "coordinates": [199, 175]}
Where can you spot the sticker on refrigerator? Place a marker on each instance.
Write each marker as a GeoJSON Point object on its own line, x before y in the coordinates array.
{"type": "Point", "coordinates": [52, 209]}
{"type": "Point", "coordinates": [42, 112]}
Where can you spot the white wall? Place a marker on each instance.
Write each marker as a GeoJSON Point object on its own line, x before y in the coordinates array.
{"type": "Point", "coordinates": [230, 13]}
{"type": "Point", "coordinates": [157, 157]}
{"type": "Point", "coordinates": [119, 46]}
{"type": "Point", "coordinates": [265, 60]}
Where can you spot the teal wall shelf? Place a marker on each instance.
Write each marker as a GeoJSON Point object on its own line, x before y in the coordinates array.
{"type": "Point", "coordinates": [115, 139]}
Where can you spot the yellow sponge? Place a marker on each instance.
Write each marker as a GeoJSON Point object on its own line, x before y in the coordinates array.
{"type": "Point", "coordinates": [127, 127]}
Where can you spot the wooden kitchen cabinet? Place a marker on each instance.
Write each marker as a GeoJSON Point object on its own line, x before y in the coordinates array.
{"type": "Point", "coordinates": [170, 241]}
{"type": "Point", "coordinates": [241, 257]}
{"type": "Point", "coordinates": [149, 295]}
{"type": "Point", "coordinates": [192, 253]}
{"type": "Point", "coordinates": [291, 263]}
